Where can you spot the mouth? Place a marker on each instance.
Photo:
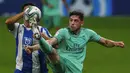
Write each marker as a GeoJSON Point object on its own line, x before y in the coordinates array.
{"type": "Point", "coordinates": [71, 26]}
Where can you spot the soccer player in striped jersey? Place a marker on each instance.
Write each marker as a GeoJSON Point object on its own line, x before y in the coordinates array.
{"type": "Point", "coordinates": [71, 52]}
{"type": "Point", "coordinates": [26, 63]}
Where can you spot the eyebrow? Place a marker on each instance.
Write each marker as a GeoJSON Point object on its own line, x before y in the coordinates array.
{"type": "Point", "coordinates": [74, 18]}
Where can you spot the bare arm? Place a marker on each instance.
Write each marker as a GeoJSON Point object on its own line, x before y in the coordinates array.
{"type": "Point", "coordinates": [10, 21]}
{"type": "Point", "coordinates": [110, 43]}
{"type": "Point", "coordinates": [34, 47]}
{"type": "Point", "coordinates": [30, 49]}
{"type": "Point", "coordinates": [53, 41]}
{"type": "Point", "coordinates": [45, 37]}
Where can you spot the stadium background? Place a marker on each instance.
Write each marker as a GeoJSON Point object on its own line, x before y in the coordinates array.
{"type": "Point", "coordinates": [109, 18]}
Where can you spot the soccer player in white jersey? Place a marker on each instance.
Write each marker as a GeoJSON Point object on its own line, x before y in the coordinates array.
{"type": "Point", "coordinates": [72, 40]}
{"type": "Point", "coordinates": [26, 63]}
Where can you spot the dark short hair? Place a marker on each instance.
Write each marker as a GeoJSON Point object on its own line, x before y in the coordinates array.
{"type": "Point", "coordinates": [27, 4]}
{"type": "Point", "coordinates": [77, 13]}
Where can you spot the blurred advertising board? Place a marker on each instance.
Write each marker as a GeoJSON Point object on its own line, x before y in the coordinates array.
{"type": "Point", "coordinates": [88, 7]}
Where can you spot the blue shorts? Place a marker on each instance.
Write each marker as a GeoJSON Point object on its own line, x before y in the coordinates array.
{"type": "Point", "coordinates": [23, 71]}
{"type": "Point", "coordinates": [17, 71]}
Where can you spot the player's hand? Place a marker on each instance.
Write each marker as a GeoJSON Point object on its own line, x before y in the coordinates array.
{"type": "Point", "coordinates": [119, 44]}
{"type": "Point", "coordinates": [28, 49]}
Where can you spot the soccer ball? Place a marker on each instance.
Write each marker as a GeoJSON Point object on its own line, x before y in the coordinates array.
{"type": "Point", "coordinates": [32, 12]}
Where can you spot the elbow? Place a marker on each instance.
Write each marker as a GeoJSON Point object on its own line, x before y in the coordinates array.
{"type": "Point", "coordinates": [9, 26]}
{"type": "Point", "coordinates": [7, 21]}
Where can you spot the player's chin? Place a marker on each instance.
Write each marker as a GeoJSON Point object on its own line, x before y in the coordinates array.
{"type": "Point", "coordinates": [28, 25]}
{"type": "Point", "coordinates": [72, 29]}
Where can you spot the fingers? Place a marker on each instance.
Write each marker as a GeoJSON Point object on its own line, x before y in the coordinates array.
{"type": "Point", "coordinates": [28, 49]}
{"type": "Point", "coordinates": [120, 44]}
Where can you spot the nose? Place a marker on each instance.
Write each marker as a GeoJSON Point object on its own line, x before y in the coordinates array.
{"type": "Point", "coordinates": [72, 24]}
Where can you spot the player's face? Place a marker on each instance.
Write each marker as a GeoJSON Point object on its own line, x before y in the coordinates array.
{"type": "Point", "coordinates": [75, 23]}
{"type": "Point", "coordinates": [25, 7]}
{"type": "Point", "coordinates": [26, 23]}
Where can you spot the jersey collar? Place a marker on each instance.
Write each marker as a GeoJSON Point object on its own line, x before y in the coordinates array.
{"type": "Point", "coordinates": [73, 32]}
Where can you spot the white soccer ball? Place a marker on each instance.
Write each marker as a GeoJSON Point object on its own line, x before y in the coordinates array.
{"type": "Point", "coordinates": [32, 12]}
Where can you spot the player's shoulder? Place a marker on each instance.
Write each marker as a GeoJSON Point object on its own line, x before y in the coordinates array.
{"type": "Point", "coordinates": [42, 28]}
{"type": "Point", "coordinates": [87, 30]}
{"type": "Point", "coordinates": [20, 26]}
{"type": "Point", "coordinates": [63, 29]}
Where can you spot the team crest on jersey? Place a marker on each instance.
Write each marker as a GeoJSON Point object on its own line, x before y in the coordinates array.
{"type": "Point", "coordinates": [27, 41]}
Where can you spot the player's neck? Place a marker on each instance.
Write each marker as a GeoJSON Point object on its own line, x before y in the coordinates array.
{"type": "Point", "coordinates": [75, 32]}
{"type": "Point", "coordinates": [27, 26]}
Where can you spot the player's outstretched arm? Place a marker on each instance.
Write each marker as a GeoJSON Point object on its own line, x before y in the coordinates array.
{"type": "Point", "coordinates": [45, 37]}
{"type": "Point", "coordinates": [30, 49]}
{"type": "Point", "coordinates": [111, 43]}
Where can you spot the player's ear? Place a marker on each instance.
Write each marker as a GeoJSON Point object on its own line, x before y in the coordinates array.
{"type": "Point", "coordinates": [82, 22]}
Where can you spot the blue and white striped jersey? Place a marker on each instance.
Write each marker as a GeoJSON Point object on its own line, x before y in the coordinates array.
{"type": "Point", "coordinates": [28, 63]}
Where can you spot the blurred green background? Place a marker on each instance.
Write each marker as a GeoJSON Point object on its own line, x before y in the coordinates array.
{"type": "Point", "coordinates": [99, 59]}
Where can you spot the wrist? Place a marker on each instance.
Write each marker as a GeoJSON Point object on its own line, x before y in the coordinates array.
{"type": "Point", "coordinates": [115, 44]}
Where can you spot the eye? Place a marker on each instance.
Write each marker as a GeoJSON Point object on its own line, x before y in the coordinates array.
{"type": "Point", "coordinates": [76, 20]}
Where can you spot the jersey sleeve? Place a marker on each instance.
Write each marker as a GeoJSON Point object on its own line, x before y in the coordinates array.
{"type": "Point", "coordinates": [94, 36]}
{"type": "Point", "coordinates": [59, 35]}
{"type": "Point", "coordinates": [45, 31]}
{"type": "Point", "coordinates": [15, 31]}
